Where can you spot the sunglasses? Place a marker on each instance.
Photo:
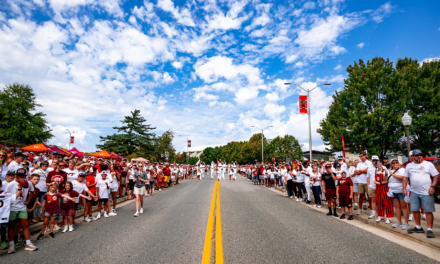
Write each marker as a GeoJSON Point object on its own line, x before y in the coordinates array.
{"type": "Point", "coordinates": [360, 156]}
{"type": "Point", "coordinates": [394, 162]}
{"type": "Point", "coordinates": [3, 155]}
{"type": "Point", "coordinates": [420, 155]}
{"type": "Point", "coordinates": [24, 164]}
{"type": "Point", "coordinates": [44, 164]}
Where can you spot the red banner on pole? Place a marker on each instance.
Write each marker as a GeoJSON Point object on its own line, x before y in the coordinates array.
{"type": "Point", "coordinates": [72, 140]}
{"type": "Point", "coordinates": [273, 157]}
{"type": "Point", "coordinates": [189, 143]}
{"type": "Point", "coordinates": [343, 145]}
{"type": "Point", "coordinates": [303, 104]}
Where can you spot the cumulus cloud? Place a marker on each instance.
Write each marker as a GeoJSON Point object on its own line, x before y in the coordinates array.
{"type": "Point", "coordinates": [360, 45]}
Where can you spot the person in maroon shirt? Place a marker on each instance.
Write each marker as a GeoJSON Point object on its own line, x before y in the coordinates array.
{"type": "Point", "coordinates": [57, 175]}
{"type": "Point", "coordinates": [344, 192]}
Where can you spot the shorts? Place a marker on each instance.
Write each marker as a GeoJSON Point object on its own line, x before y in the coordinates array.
{"type": "Point", "coordinates": [50, 215]}
{"type": "Point", "coordinates": [427, 201]}
{"type": "Point", "coordinates": [123, 181]}
{"type": "Point", "coordinates": [371, 192]}
{"type": "Point", "coordinates": [67, 212]}
{"type": "Point", "coordinates": [330, 194]}
{"type": "Point", "coordinates": [140, 191]}
{"type": "Point", "coordinates": [398, 196]}
{"type": "Point", "coordinates": [345, 201]}
{"type": "Point", "coordinates": [130, 185]}
{"type": "Point", "coordinates": [362, 188]}
{"type": "Point", "coordinates": [18, 215]}
{"type": "Point", "coordinates": [355, 187]}
{"type": "Point", "coordinates": [115, 189]}
{"type": "Point", "coordinates": [103, 200]}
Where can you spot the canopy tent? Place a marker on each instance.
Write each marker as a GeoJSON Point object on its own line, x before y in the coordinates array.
{"type": "Point", "coordinates": [141, 160]}
{"type": "Point", "coordinates": [60, 151]}
{"type": "Point", "coordinates": [77, 152]}
{"type": "Point", "coordinates": [67, 152]}
{"type": "Point", "coordinates": [104, 154]}
{"type": "Point", "coordinates": [40, 147]}
{"type": "Point", "coordinates": [119, 157]}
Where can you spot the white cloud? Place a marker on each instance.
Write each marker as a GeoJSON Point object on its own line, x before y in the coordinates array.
{"type": "Point", "coordinates": [430, 59]}
{"type": "Point", "coordinates": [272, 96]}
{"type": "Point", "coordinates": [338, 67]}
{"type": "Point", "coordinates": [273, 110]}
{"type": "Point", "coordinates": [182, 15]}
{"type": "Point", "coordinates": [177, 64]}
{"type": "Point", "coordinates": [360, 45]}
{"type": "Point", "coordinates": [383, 11]}
{"type": "Point", "coordinates": [309, 5]}
{"type": "Point", "coordinates": [231, 20]}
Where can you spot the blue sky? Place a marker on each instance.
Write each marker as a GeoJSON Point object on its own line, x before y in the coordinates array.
{"type": "Point", "coordinates": [208, 70]}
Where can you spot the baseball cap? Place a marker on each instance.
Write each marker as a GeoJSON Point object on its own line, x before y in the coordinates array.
{"type": "Point", "coordinates": [106, 172]}
{"type": "Point", "coordinates": [328, 166]}
{"type": "Point", "coordinates": [21, 172]}
{"type": "Point", "coordinates": [66, 158]}
{"type": "Point", "coordinates": [99, 158]}
{"type": "Point", "coordinates": [375, 157]}
{"type": "Point", "coordinates": [385, 157]}
{"type": "Point", "coordinates": [411, 153]}
{"type": "Point", "coordinates": [394, 159]}
{"type": "Point", "coordinates": [338, 165]}
{"type": "Point", "coordinates": [417, 152]}
{"type": "Point", "coordinates": [18, 154]}
{"type": "Point", "coordinates": [10, 172]}
{"type": "Point", "coordinates": [340, 157]}
{"type": "Point", "coordinates": [82, 174]}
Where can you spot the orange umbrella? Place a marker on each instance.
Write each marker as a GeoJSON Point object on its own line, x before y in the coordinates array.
{"type": "Point", "coordinates": [40, 147]}
{"type": "Point", "coordinates": [104, 154]}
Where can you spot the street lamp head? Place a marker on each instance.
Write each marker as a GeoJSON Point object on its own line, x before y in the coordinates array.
{"type": "Point", "coordinates": [327, 83]}
{"type": "Point", "coordinates": [252, 126]}
{"type": "Point", "coordinates": [406, 120]}
{"type": "Point", "coordinates": [287, 83]}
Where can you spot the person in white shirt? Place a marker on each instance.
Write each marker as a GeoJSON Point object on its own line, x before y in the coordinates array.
{"type": "Point", "coordinates": [16, 163]}
{"type": "Point", "coordinates": [354, 178]}
{"type": "Point", "coordinates": [307, 171]}
{"type": "Point", "coordinates": [371, 174]}
{"type": "Point", "coordinates": [423, 178]}
{"type": "Point", "coordinates": [315, 177]}
{"type": "Point", "coordinates": [361, 172]}
{"type": "Point", "coordinates": [72, 173]}
{"type": "Point", "coordinates": [395, 185]}
{"type": "Point", "coordinates": [102, 187]}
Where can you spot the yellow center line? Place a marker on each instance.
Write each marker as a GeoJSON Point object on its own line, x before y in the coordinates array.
{"type": "Point", "coordinates": [206, 259]}
{"type": "Point", "coordinates": [218, 233]}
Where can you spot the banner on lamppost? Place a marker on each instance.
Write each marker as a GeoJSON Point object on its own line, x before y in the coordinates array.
{"type": "Point", "coordinates": [343, 145]}
{"type": "Point", "coordinates": [189, 143]}
{"type": "Point", "coordinates": [303, 104]}
{"type": "Point", "coordinates": [72, 140]}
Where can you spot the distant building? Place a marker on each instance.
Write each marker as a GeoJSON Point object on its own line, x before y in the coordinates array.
{"type": "Point", "coordinates": [198, 150]}
{"type": "Point", "coordinates": [319, 155]}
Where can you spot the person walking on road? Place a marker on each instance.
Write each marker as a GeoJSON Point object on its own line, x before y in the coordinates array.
{"type": "Point", "coordinates": [140, 179]}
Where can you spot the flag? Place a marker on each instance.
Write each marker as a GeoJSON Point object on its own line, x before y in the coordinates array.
{"type": "Point", "coordinates": [189, 143]}
{"type": "Point", "coordinates": [72, 140]}
{"type": "Point", "coordinates": [273, 157]}
{"type": "Point", "coordinates": [343, 145]}
{"type": "Point", "coordinates": [217, 161]}
{"type": "Point", "coordinates": [303, 104]}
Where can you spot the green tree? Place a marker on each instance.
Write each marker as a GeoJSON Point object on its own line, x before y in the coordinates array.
{"type": "Point", "coordinates": [367, 111]}
{"type": "Point", "coordinates": [162, 148]}
{"type": "Point", "coordinates": [193, 160]}
{"type": "Point", "coordinates": [135, 135]}
{"type": "Point", "coordinates": [20, 121]}
{"type": "Point", "coordinates": [285, 147]}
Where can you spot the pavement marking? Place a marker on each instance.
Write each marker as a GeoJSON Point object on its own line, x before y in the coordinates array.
{"type": "Point", "coordinates": [208, 238]}
{"type": "Point", "coordinates": [218, 233]}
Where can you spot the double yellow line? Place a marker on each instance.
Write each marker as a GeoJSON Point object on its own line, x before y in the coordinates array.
{"type": "Point", "coordinates": [215, 204]}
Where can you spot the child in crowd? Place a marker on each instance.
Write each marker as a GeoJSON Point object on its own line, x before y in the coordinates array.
{"type": "Point", "coordinates": [344, 192]}
{"type": "Point", "coordinates": [102, 189]}
{"type": "Point", "coordinates": [68, 206]}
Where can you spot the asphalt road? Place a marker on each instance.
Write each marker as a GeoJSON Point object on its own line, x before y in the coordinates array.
{"type": "Point", "coordinates": [258, 226]}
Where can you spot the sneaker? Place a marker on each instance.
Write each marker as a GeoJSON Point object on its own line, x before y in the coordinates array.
{"type": "Point", "coordinates": [415, 230]}
{"type": "Point", "coordinates": [88, 220]}
{"type": "Point", "coordinates": [378, 220]}
{"type": "Point", "coordinates": [40, 236]}
{"type": "Point", "coordinates": [141, 211]}
{"type": "Point", "coordinates": [301, 200]}
{"type": "Point", "coordinates": [51, 235]}
{"type": "Point", "coordinates": [423, 217]}
{"type": "Point", "coordinates": [114, 211]}
{"type": "Point", "coordinates": [3, 245]}
{"type": "Point", "coordinates": [371, 216]}
{"type": "Point", "coordinates": [429, 234]}
{"type": "Point", "coordinates": [329, 213]}
{"type": "Point", "coordinates": [387, 221]}
{"type": "Point", "coordinates": [355, 207]}
{"type": "Point", "coordinates": [297, 199]}
{"type": "Point", "coordinates": [397, 225]}
{"type": "Point", "coordinates": [98, 216]}
{"type": "Point", "coordinates": [105, 214]}
{"type": "Point", "coordinates": [319, 206]}
{"type": "Point", "coordinates": [112, 214]}
{"type": "Point", "coordinates": [11, 249]}
{"type": "Point", "coordinates": [350, 217]}
{"type": "Point", "coordinates": [66, 227]}
{"type": "Point", "coordinates": [405, 227]}
{"type": "Point", "coordinates": [93, 218]}
{"type": "Point", "coordinates": [359, 212]}
{"type": "Point", "coordinates": [136, 214]}
{"type": "Point", "coordinates": [71, 228]}
{"type": "Point", "coordinates": [30, 247]}
{"type": "Point", "coordinates": [47, 230]}
{"type": "Point", "coordinates": [314, 205]}
{"type": "Point", "coordinates": [56, 227]}
{"type": "Point", "coordinates": [342, 216]}
{"type": "Point", "coordinates": [411, 217]}
{"type": "Point", "coordinates": [335, 214]}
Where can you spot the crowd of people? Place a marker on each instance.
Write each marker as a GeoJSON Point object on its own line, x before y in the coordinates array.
{"type": "Point", "coordinates": [50, 188]}
{"type": "Point", "coordinates": [392, 189]}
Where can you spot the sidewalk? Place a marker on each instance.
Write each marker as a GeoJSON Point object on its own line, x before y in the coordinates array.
{"type": "Point", "coordinates": [420, 238]}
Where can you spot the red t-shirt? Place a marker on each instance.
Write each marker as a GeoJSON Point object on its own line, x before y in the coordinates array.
{"type": "Point", "coordinates": [68, 204]}
{"type": "Point", "coordinates": [52, 202]}
{"type": "Point", "coordinates": [91, 180]}
{"type": "Point", "coordinates": [344, 186]}
{"type": "Point", "coordinates": [98, 167]}
{"type": "Point", "coordinates": [58, 177]}
{"type": "Point", "coordinates": [34, 197]}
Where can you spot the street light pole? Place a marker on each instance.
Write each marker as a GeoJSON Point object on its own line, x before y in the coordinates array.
{"type": "Point", "coordinates": [406, 120]}
{"type": "Point", "coordinates": [308, 112]}
{"type": "Point", "coordinates": [70, 136]}
{"type": "Point", "coordinates": [262, 145]}
{"type": "Point", "coordinates": [186, 149]}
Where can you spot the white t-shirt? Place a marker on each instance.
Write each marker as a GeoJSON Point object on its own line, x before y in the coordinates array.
{"type": "Point", "coordinates": [315, 176]}
{"type": "Point", "coordinates": [103, 191]}
{"type": "Point", "coordinates": [308, 170]}
{"type": "Point", "coordinates": [79, 187]}
{"type": "Point", "coordinates": [18, 204]}
{"type": "Point", "coordinates": [362, 178]}
{"type": "Point", "coordinates": [372, 174]}
{"type": "Point", "coordinates": [394, 184]}
{"type": "Point", "coordinates": [6, 199]}
{"type": "Point", "coordinates": [41, 185]}
{"type": "Point", "coordinates": [4, 186]}
{"type": "Point", "coordinates": [3, 172]}
{"type": "Point", "coordinates": [420, 176]}
{"type": "Point", "coordinates": [351, 172]}
{"type": "Point", "coordinates": [72, 175]}
{"type": "Point", "coordinates": [299, 176]}
{"type": "Point", "coordinates": [132, 173]}
{"type": "Point", "coordinates": [14, 166]}
{"type": "Point", "coordinates": [114, 182]}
